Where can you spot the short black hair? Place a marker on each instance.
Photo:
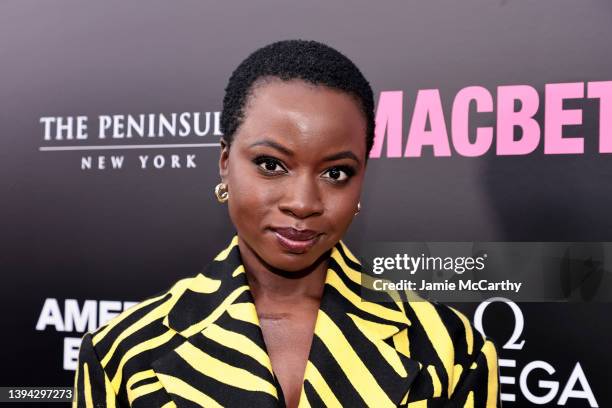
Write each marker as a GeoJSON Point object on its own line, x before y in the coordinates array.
{"type": "Point", "coordinates": [307, 60]}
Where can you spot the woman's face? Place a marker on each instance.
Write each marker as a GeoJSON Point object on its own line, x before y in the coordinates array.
{"type": "Point", "coordinates": [296, 163]}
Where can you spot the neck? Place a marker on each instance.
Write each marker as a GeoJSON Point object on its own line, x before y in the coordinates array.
{"type": "Point", "coordinates": [268, 282]}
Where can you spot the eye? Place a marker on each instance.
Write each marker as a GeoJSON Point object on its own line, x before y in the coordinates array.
{"type": "Point", "coordinates": [268, 164]}
{"type": "Point", "coordinates": [340, 174]}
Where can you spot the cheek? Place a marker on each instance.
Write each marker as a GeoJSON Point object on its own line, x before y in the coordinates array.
{"type": "Point", "coordinates": [341, 208]}
{"type": "Point", "coordinates": [250, 199]}
{"type": "Point", "coordinates": [247, 200]}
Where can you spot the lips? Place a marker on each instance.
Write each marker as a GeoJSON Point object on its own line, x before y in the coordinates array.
{"type": "Point", "coordinates": [296, 240]}
{"type": "Point", "coordinates": [296, 235]}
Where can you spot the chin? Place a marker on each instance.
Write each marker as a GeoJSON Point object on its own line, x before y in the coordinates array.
{"type": "Point", "coordinates": [294, 262]}
{"type": "Point", "coordinates": [290, 262]}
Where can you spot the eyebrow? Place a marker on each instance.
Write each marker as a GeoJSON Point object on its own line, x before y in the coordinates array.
{"type": "Point", "coordinates": [347, 154]}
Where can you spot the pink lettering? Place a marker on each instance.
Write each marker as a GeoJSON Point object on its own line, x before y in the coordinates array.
{"type": "Point", "coordinates": [389, 119]}
{"type": "Point", "coordinates": [507, 119]}
{"type": "Point", "coordinates": [603, 91]}
{"type": "Point", "coordinates": [555, 117]}
{"type": "Point", "coordinates": [460, 121]}
{"type": "Point", "coordinates": [428, 104]}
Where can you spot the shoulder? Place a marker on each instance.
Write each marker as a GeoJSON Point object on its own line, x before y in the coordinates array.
{"type": "Point", "coordinates": [121, 351]}
{"type": "Point", "coordinates": [139, 324]}
{"type": "Point", "coordinates": [443, 332]}
{"type": "Point", "coordinates": [456, 358]}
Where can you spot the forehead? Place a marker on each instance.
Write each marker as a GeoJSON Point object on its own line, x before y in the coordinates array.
{"type": "Point", "coordinates": [299, 114]}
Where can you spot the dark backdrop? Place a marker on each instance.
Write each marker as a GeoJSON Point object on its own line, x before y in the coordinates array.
{"type": "Point", "coordinates": [73, 234]}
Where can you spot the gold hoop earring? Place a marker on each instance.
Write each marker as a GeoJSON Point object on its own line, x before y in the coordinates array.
{"type": "Point", "coordinates": [358, 207]}
{"type": "Point", "coordinates": [221, 192]}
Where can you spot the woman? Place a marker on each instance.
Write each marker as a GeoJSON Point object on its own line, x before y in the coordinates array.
{"type": "Point", "coordinates": [276, 318]}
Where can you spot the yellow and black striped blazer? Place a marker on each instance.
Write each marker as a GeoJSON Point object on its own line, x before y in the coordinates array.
{"type": "Point", "coordinates": [200, 344]}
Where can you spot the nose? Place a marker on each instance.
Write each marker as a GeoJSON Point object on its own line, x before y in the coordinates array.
{"type": "Point", "coordinates": [302, 197]}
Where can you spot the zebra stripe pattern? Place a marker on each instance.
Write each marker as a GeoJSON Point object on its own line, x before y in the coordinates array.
{"type": "Point", "coordinates": [200, 345]}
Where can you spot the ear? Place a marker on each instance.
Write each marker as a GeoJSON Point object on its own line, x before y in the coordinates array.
{"type": "Point", "coordinates": [223, 159]}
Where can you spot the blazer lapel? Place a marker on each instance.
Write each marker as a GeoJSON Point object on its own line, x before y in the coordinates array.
{"type": "Point", "coordinates": [223, 360]}
{"type": "Point", "coordinates": [358, 357]}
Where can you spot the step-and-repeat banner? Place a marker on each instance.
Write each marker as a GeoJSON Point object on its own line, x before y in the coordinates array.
{"type": "Point", "coordinates": [494, 123]}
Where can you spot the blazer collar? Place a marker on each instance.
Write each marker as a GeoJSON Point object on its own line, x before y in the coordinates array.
{"type": "Point", "coordinates": [359, 354]}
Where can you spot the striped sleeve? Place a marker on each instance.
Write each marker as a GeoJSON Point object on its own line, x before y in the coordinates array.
{"type": "Point", "coordinates": [478, 384]}
{"type": "Point", "coordinates": [92, 387]}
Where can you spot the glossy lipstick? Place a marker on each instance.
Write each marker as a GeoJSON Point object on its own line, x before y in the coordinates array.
{"type": "Point", "coordinates": [296, 240]}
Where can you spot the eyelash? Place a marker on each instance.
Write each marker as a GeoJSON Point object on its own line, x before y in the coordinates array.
{"type": "Point", "coordinates": [348, 170]}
